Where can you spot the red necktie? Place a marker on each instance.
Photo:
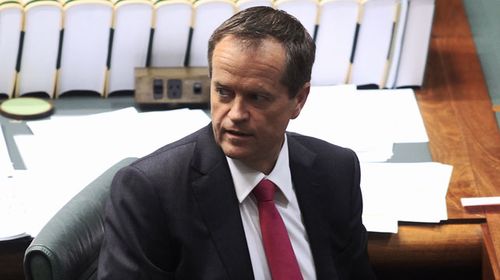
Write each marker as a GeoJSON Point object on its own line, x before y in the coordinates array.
{"type": "Point", "coordinates": [279, 252]}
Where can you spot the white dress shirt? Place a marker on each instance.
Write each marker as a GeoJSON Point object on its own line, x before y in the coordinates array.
{"type": "Point", "coordinates": [245, 179]}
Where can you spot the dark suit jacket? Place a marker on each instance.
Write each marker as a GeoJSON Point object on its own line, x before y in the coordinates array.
{"type": "Point", "coordinates": [174, 213]}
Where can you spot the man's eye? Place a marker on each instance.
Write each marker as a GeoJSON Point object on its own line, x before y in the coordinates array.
{"type": "Point", "coordinates": [259, 97]}
{"type": "Point", "coordinates": [224, 93]}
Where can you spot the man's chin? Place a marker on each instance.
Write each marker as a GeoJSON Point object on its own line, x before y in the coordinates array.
{"type": "Point", "coordinates": [236, 153]}
{"type": "Point", "coordinates": [237, 156]}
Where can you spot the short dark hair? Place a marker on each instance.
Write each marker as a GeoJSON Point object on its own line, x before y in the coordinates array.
{"type": "Point", "coordinates": [255, 24]}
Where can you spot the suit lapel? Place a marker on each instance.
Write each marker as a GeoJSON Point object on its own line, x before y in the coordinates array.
{"type": "Point", "coordinates": [214, 191]}
{"type": "Point", "coordinates": [311, 195]}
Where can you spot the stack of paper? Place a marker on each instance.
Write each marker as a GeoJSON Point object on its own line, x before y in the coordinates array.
{"type": "Point", "coordinates": [367, 121]}
{"type": "Point", "coordinates": [412, 192]}
{"type": "Point", "coordinates": [13, 211]}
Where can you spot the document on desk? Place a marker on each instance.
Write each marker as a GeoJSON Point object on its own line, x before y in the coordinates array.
{"type": "Point", "coordinates": [29, 199]}
{"type": "Point", "coordinates": [410, 192]}
{"type": "Point", "coordinates": [335, 116]}
{"type": "Point", "coordinates": [113, 135]}
{"type": "Point", "coordinates": [12, 206]}
{"type": "Point", "coordinates": [64, 154]}
{"type": "Point", "coordinates": [401, 110]}
{"type": "Point", "coordinates": [14, 217]}
{"type": "Point", "coordinates": [367, 121]}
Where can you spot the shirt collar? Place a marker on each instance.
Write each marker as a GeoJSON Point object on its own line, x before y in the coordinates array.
{"type": "Point", "coordinates": [246, 178]}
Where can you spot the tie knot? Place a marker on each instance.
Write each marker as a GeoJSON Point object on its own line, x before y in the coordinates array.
{"type": "Point", "coordinates": [264, 191]}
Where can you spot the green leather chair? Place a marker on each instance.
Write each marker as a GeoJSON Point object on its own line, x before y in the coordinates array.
{"type": "Point", "coordinates": [67, 248]}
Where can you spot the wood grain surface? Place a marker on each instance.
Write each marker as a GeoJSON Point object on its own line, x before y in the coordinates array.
{"type": "Point", "coordinates": [463, 132]}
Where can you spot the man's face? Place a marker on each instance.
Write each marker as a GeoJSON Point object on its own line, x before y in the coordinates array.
{"type": "Point", "coordinates": [250, 107]}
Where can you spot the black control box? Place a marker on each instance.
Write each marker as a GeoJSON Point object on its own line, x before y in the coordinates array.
{"type": "Point", "coordinates": [172, 85]}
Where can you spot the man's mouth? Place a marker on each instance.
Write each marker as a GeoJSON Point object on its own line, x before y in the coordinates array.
{"type": "Point", "coordinates": [237, 133]}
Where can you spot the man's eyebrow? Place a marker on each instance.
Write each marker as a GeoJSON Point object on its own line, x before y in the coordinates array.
{"type": "Point", "coordinates": [258, 90]}
{"type": "Point", "coordinates": [219, 84]}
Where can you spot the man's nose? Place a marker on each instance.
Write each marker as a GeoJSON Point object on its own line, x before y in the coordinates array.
{"type": "Point", "coordinates": [238, 111]}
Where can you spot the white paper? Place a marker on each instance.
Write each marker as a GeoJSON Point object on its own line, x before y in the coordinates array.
{"type": "Point", "coordinates": [65, 154]}
{"type": "Point", "coordinates": [480, 201]}
{"type": "Point", "coordinates": [13, 210]}
{"type": "Point", "coordinates": [402, 111]}
{"type": "Point", "coordinates": [367, 121]}
{"type": "Point", "coordinates": [108, 136]}
{"type": "Point", "coordinates": [412, 192]}
{"type": "Point", "coordinates": [333, 114]}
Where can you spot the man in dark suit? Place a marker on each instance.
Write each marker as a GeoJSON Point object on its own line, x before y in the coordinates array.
{"type": "Point", "coordinates": [191, 210]}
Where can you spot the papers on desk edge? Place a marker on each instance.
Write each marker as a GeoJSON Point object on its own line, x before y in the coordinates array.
{"type": "Point", "coordinates": [13, 216]}
{"type": "Point", "coordinates": [392, 192]}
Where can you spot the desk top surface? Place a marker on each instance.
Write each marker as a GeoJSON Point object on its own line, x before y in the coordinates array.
{"type": "Point", "coordinates": [459, 117]}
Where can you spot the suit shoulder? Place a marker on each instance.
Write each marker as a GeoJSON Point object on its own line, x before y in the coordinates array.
{"type": "Point", "coordinates": [176, 153]}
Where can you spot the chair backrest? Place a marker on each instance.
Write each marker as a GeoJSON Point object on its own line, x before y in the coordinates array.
{"type": "Point", "coordinates": [84, 49]}
{"type": "Point", "coordinates": [207, 16]}
{"type": "Point", "coordinates": [334, 41]}
{"type": "Point", "coordinates": [68, 245]}
{"type": "Point", "coordinates": [172, 24]}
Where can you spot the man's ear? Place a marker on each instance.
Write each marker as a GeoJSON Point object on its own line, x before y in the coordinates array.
{"type": "Point", "coordinates": [300, 99]}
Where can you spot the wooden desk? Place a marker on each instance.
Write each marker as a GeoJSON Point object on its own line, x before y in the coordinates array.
{"type": "Point", "coordinates": [11, 258]}
{"type": "Point", "coordinates": [463, 132]}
